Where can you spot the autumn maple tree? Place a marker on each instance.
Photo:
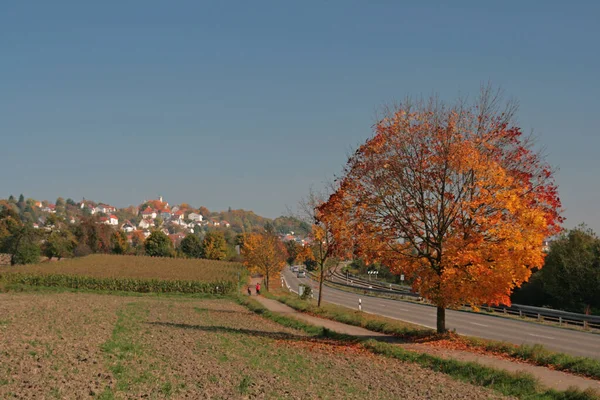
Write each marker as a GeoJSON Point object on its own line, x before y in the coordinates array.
{"type": "Point", "coordinates": [264, 253]}
{"type": "Point", "coordinates": [454, 196]}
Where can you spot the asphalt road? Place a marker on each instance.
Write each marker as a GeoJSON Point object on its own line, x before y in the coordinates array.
{"type": "Point", "coordinates": [465, 323]}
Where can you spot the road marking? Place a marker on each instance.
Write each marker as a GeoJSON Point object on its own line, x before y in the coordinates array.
{"type": "Point", "coordinates": [475, 323]}
{"type": "Point", "coordinates": [542, 336]}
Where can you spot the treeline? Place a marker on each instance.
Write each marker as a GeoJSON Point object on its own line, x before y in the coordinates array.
{"type": "Point", "coordinates": [59, 239]}
{"type": "Point", "coordinates": [570, 278]}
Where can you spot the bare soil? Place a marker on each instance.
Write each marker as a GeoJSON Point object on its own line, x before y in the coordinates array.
{"type": "Point", "coordinates": [76, 346]}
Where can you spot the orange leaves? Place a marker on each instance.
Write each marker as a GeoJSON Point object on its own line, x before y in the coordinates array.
{"type": "Point", "coordinates": [305, 254]}
{"type": "Point", "coordinates": [456, 199]}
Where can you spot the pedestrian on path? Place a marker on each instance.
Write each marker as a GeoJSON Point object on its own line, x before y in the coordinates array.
{"type": "Point", "coordinates": [249, 291]}
{"type": "Point", "coordinates": [257, 288]}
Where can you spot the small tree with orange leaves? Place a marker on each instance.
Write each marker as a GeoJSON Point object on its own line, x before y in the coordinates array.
{"type": "Point", "coordinates": [453, 196]}
{"type": "Point", "coordinates": [330, 237]}
{"type": "Point", "coordinates": [264, 253]}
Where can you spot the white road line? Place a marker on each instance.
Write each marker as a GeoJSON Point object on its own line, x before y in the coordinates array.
{"type": "Point", "coordinates": [475, 323]}
{"type": "Point", "coordinates": [542, 336]}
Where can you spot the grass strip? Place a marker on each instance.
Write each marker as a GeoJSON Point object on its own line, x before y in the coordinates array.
{"type": "Point", "coordinates": [520, 385]}
{"type": "Point", "coordinates": [121, 349]}
{"type": "Point", "coordinates": [536, 354]}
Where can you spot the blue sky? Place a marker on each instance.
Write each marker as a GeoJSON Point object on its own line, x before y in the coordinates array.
{"type": "Point", "coordinates": [248, 104]}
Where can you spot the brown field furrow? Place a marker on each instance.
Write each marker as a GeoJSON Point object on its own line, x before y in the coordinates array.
{"type": "Point", "coordinates": [75, 345]}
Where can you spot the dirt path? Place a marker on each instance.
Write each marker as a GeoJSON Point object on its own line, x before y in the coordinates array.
{"type": "Point", "coordinates": [547, 377]}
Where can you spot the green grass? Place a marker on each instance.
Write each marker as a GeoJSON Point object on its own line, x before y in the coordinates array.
{"type": "Point", "coordinates": [122, 348]}
{"type": "Point", "coordinates": [520, 385]}
{"type": "Point", "coordinates": [536, 354]}
{"type": "Point", "coordinates": [351, 317]}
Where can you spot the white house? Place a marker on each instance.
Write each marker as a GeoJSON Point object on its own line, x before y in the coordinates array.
{"type": "Point", "coordinates": [178, 215]}
{"type": "Point", "coordinates": [50, 208]}
{"type": "Point", "coordinates": [146, 234]}
{"type": "Point", "coordinates": [195, 217]}
{"type": "Point", "coordinates": [225, 224]}
{"type": "Point", "coordinates": [149, 213]}
{"type": "Point", "coordinates": [180, 223]}
{"type": "Point", "coordinates": [105, 208]}
{"type": "Point", "coordinates": [113, 220]}
{"type": "Point", "coordinates": [128, 227]}
{"type": "Point", "coordinates": [146, 223]}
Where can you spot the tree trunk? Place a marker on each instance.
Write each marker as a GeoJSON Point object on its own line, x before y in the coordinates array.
{"type": "Point", "coordinates": [321, 285]}
{"type": "Point", "coordinates": [267, 280]}
{"type": "Point", "coordinates": [441, 319]}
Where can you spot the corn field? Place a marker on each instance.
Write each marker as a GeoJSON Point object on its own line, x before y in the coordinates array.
{"type": "Point", "coordinates": [131, 273]}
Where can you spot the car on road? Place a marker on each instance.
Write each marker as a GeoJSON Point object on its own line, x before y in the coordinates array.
{"type": "Point", "coordinates": [301, 274]}
{"type": "Point", "coordinates": [294, 268]}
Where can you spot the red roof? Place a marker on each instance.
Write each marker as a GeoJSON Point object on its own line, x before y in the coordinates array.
{"type": "Point", "coordinates": [148, 210]}
{"type": "Point", "coordinates": [113, 216]}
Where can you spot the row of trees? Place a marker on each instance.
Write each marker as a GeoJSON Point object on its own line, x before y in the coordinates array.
{"type": "Point", "coordinates": [58, 239]}
{"type": "Point", "coordinates": [213, 246]}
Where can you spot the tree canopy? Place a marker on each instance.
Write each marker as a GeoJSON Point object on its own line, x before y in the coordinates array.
{"type": "Point", "coordinates": [214, 246]}
{"type": "Point", "coordinates": [158, 245]}
{"type": "Point", "coordinates": [453, 195]}
{"type": "Point", "coordinates": [264, 253]}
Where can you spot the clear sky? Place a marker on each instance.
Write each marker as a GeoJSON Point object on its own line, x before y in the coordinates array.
{"type": "Point", "coordinates": [247, 104]}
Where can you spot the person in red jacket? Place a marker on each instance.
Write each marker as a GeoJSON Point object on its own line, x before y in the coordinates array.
{"type": "Point", "coordinates": [257, 289]}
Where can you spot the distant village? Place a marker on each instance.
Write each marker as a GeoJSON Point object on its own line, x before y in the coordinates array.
{"type": "Point", "coordinates": [176, 221]}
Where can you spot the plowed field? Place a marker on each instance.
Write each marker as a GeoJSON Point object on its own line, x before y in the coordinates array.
{"type": "Point", "coordinates": [78, 346]}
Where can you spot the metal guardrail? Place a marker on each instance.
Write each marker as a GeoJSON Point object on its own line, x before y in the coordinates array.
{"type": "Point", "coordinates": [374, 290]}
{"type": "Point", "coordinates": [539, 313]}
{"type": "Point", "coordinates": [549, 314]}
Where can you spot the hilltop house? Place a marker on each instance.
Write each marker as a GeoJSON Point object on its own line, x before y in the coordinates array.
{"type": "Point", "coordinates": [146, 223]}
{"type": "Point", "coordinates": [110, 220]}
{"type": "Point", "coordinates": [165, 214]}
{"type": "Point", "coordinates": [128, 227]}
{"type": "Point", "coordinates": [195, 217]}
{"type": "Point", "coordinates": [148, 213]}
{"type": "Point", "coordinates": [50, 208]}
{"type": "Point", "coordinates": [105, 208]}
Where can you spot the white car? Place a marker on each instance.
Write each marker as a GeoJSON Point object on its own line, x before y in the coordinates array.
{"type": "Point", "coordinates": [301, 274]}
{"type": "Point", "coordinates": [294, 268]}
